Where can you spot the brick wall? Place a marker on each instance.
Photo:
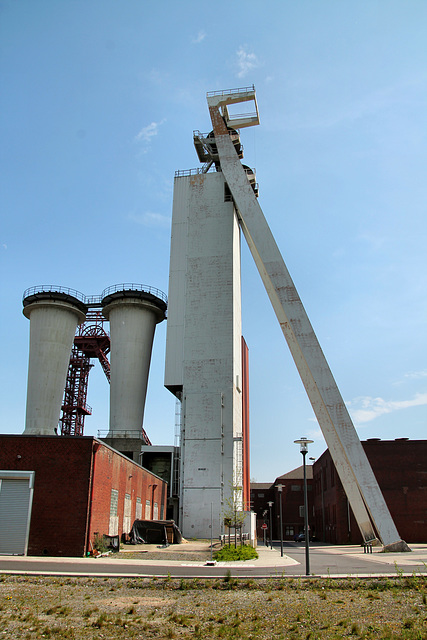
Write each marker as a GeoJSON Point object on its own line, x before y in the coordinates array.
{"type": "Point", "coordinates": [115, 472]}
{"type": "Point", "coordinates": [400, 467]}
{"type": "Point", "coordinates": [74, 477]}
{"type": "Point", "coordinates": [61, 486]}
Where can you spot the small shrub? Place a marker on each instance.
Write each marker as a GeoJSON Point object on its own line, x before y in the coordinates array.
{"type": "Point", "coordinates": [99, 543]}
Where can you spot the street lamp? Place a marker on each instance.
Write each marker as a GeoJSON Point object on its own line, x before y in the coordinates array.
{"type": "Point", "coordinates": [270, 504]}
{"type": "Point", "coordinates": [303, 443]}
{"type": "Point", "coordinates": [279, 489]}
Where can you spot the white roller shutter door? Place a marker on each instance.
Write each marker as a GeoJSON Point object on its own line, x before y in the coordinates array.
{"type": "Point", "coordinates": [16, 489]}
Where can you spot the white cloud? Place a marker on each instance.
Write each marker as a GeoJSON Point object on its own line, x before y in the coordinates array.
{"type": "Point", "coordinates": [416, 375]}
{"type": "Point", "coordinates": [150, 219]}
{"type": "Point", "coordinates": [246, 62]}
{"type": "Point", "coordinates": [148, 132]}
{"type": "Point", "coordinates": [365, 408]}
{"type": "Point", "coordinates": [4, 245]}
{"type": "Point", "coordinates": [199, 38]}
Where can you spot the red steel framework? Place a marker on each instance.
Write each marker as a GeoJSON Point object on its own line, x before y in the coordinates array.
{"type": "Point", "coordinates": [74, 407]}
{"type": "Point", "coordinates": [90, 342]}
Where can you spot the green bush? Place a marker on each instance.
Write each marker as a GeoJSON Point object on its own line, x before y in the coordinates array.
{"type": "Point", "coordinates": [228, 552]}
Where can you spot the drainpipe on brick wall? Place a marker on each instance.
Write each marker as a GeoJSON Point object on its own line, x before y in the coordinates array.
{"type": "Point", "coordinates": [87, 544]}
{"type": "Point", "coordinates": [154, 487]}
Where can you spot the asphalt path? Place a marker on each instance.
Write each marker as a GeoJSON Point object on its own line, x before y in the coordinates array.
{"type": "Point", "coordinates": [352, 561]}
{"type": "Point", "coordinates": [329, 561]}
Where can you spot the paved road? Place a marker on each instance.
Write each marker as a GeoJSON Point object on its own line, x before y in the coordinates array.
{"type": "Point", "coordinates": [351, 560]}
{"type": "Point", "coordinates": [324, 560]}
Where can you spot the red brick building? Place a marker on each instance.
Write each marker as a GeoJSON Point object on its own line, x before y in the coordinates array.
{"type": "Point", "coordinates": [292, 498]}
{"type": "Point", "coordinates": [261, 494]}
{"type": "Point", "coordinates": [400, 467]}
{"type": "Point", "coordinates": [70, 488]}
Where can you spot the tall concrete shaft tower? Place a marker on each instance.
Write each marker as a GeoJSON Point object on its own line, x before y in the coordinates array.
{"type": "Point", "coordinates": [54, 313]}
{"type": "Point", "coordinates": [203, 348]}
{"type": "Point", "coordinates": [133, 312]}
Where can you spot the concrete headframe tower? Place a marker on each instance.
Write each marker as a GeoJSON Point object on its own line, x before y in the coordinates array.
{"type": "Point", "coordinates": [189, 280]}
{"type": "Point", "coordinates": [204, 348]}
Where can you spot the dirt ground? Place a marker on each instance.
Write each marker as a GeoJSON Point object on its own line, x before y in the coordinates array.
{"type": "Point", "coordinates": [188, 551]}
{"type": "Point", "coordinates": [139, 608]}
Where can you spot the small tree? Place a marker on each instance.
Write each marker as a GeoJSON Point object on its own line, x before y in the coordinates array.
{"type": "Point", "coordinates": [234, 517]}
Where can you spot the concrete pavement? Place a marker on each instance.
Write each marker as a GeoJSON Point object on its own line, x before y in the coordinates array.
{"type": "Point", "coordinates": [325, 560]}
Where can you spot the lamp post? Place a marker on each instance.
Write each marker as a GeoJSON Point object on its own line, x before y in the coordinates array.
{"type": "Point", "coordinates": [279, 489]}
{"type": "Point", "coordinates": [303, 443]}
{"type": "Point", "coordinates": [211, 530]}
{"type": "Point", "coordinates": [270, 504]}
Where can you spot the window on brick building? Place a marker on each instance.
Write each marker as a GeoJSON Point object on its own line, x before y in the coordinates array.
{"type": "Point", "coordinates": [113, 526]}
{"type": "Point", "coordinates": [289, 531]}
{"type": "Point", "coordinates": [138, 509]}
{"type": "Point", "coordinates": [114, 502]}
{"type": "Point", "coordinates": [127, 513]}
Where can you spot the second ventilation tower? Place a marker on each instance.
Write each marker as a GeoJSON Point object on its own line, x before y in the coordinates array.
{"type": "Point", "coordinates": [133, 312]}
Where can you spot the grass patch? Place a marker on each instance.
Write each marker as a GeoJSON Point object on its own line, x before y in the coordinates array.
{"type": "Point", "coordinates": [228, 553]}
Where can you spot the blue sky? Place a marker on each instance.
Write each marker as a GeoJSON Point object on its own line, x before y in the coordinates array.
{"type": "Point", "coordinates": [99, 102]}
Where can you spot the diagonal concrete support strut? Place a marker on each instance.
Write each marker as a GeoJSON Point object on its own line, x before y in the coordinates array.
{"type": "Point", "coordinates": [350, 460]}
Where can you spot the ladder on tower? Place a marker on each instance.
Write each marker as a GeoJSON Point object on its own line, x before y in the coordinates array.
{"type": "Point", "coordinates": [74, 406]}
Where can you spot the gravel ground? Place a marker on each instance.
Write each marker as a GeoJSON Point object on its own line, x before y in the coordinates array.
{"type": "Point", "coordinates": [47, 607]}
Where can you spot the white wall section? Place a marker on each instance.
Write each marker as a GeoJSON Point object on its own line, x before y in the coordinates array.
{"type": "Point", "coordinates": [203, 355]}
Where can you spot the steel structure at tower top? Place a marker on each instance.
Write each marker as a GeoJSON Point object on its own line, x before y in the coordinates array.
{"type": "Point", "coordinates": [356, 475]}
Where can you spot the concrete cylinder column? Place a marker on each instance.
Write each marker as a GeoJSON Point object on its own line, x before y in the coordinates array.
{"type": "Point", "coordinates": [133, 316]}
{"type": "Point", "coordinates": [54, 316]}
